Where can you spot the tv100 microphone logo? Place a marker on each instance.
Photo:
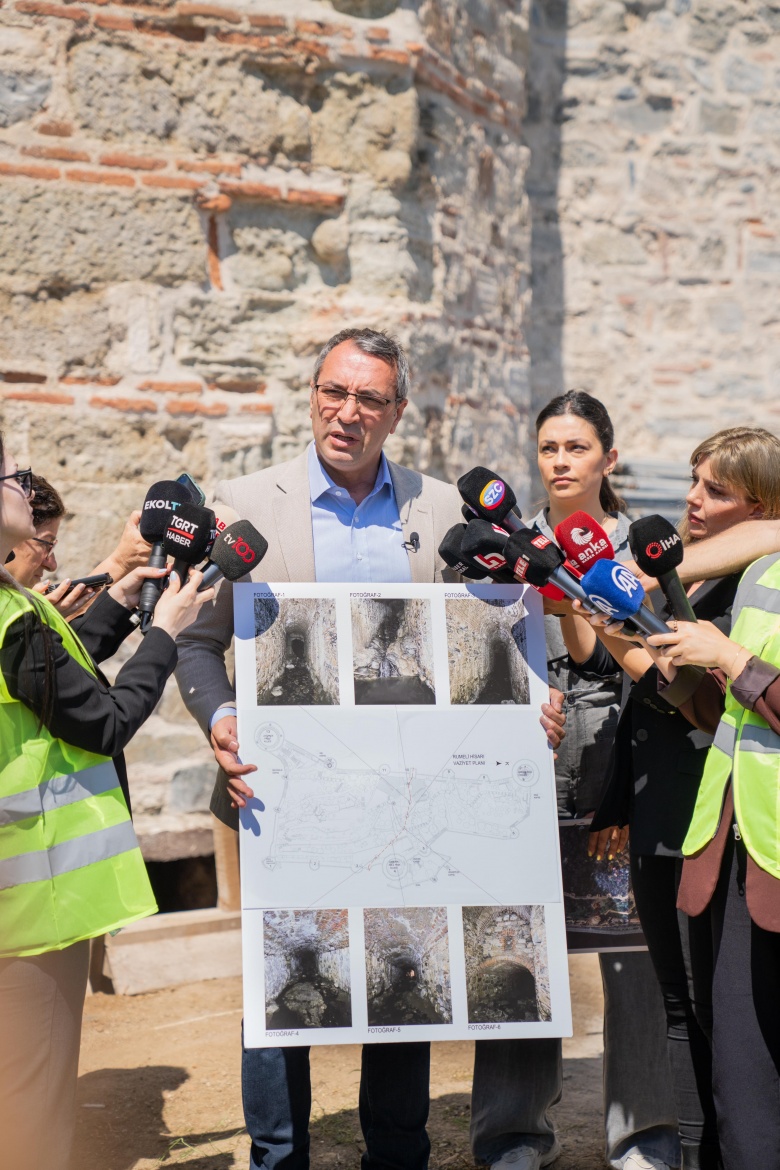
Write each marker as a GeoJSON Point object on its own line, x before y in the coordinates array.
{"type": "Point", "coordinates": [492, 494]}
{"type": "Point", "coordinates": [239, 546]}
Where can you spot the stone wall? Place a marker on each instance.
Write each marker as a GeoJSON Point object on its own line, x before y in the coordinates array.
{"type": "Point", "coordinates": [287, 933]}
{"type": "Point", "coordinates": [391, 637]}
{"type": "Point", "coordinates": [194, 196]}
{"type": "Point", "coordinates": [495, 938]}
{"type": "Point", "coordinates": [654, 131]}
{"type": "Point", "coordinates": [416, 937]}
{"type": "Point", "coordinates": [476, 632]}
{"type": "Point", "coordinates": [309, 622]}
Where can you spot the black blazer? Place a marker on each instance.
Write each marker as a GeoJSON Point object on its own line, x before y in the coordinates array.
{"type": "Point", "coordinates": [657, 760]}
{"type": "Point", "coordinates": [88, 712]}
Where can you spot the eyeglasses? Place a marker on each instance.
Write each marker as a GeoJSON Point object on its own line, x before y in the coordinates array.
{"type": "Point", "coordinates": [332, 398]}
{"type": "Point", "coordinates": [49, 545]}
{"type": "Point", "coordinates": [25, 480]}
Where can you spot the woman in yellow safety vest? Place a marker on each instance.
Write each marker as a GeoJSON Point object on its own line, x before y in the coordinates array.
{"type": "Point", "coordinates": [731, 872]}
{"type": "Point", "coordinates": [70, 866]}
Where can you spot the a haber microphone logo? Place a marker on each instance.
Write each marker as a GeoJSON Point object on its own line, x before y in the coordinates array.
{"type": "Point", "coordinates": [492, 494]}
{"type": "Point", "coordinates": [581, 536]}
{"type": "Point", "coordinates": [657, 547]}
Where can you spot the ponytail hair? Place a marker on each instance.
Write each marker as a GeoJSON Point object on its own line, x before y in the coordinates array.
{"type": "Point", "coordinates": [591, 411]}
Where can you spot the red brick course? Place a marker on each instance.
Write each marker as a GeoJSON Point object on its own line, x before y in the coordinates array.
{"type": "Point", "coordinates": [119, 158]}
{"type": "Point", "coordinates": [211, 409]}
{"type": "Point", "coordinates": [104, 177]}
{"type": "Point", "coordinates": [44, 397]}
{"type": "Point", "coordinates": [160, 387]}
{"type": "Point", "coordinates": [126, 405]}
{"type": "Point", "coordinates": [62, 153]}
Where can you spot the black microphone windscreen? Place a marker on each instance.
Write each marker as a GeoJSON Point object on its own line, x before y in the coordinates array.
{"type": "Point", "coordinates": [532, 557]}
{"type": "Point", "coordinates": [238, 549]}
{"type": "Point", "coordinates": [656, 544]}
{"type": "Point", "coordinates": [188, 533]}
{"type": "Point", "coordinates": [161, 498]}
{"type": "Point", "coordinates": [488, 494]}
{"type": "Point", "coordinates": [451, 553]}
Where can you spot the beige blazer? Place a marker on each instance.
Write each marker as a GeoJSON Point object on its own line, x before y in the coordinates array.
{"type": "Point", "coordinates": [277, 501]}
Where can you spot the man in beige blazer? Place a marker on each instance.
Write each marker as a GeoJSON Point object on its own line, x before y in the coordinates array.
{"type": "Point", "coordinates": [341, 511]}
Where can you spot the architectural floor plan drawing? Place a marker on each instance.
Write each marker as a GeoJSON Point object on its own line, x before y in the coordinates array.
{"type": "Point", "coordinates": [360, 819]}
{"type": "Point", "coordinates": [400, 861]}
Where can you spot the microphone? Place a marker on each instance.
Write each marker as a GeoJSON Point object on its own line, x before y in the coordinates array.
{"type": "Point", "coordinates": [583, 540]}
{"type": "Point", "coordinates": [483, 547]}
{"type": "Point", "coordinates": [161, 499]}
{"type": "Point", "coordinates": [658, 550]}
{"type": "Point", "coordinates": [539, 562]}
{"type": "Point", "coordinates": [188, 536]}
{"type": "Point", "coordinates": [614, 589]}
{"type": "Point", "coordinates": [452, 555]}
{"type": "Point", "coordinates": [491, 498]}
{"type": "Point", "coordinates": [237, 549]}
{"type": "Point", "coordinates": [467, 513]}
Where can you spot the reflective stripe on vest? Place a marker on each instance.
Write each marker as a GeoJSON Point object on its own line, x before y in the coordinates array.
{"type": "Point", "coordinates": [56, 792]}
{"type": "Point", "coordinates": [70, 865]}
{"type": "Point", "coordinates": [67, 856]}
{"type": "Point", "coordinates": [745, 748]}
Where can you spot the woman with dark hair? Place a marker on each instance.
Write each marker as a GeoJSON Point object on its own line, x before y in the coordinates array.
{"type": "Point", "coordinates": [517, 1081]}
{"type": "Point", "coordinates": [70, 866]}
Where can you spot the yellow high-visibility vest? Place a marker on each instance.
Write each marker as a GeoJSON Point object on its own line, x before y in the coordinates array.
{"type": "Point", "coordinates": [745, 748]}
{"type": "Point", "coordinates": [70, 865]}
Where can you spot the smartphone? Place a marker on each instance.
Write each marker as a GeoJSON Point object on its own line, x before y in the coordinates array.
{"type": "Point", "coordinates": [198, 494]}
{"type": "Point", "coordinates": [96, 582]}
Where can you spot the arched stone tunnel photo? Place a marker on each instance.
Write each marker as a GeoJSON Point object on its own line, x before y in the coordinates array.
{"type": "Point", "coordinates": [486, 648]}
{"type": "Point", "coordinates": [392, 651]}
{"type": "Point", "coordinates": [507, 975]}
{"type": "Point", "coordinates": [407, 966]}
{"type": "Point", "coordinates": [306, 966]}
{"type": "Point", "coordinates": [296, 651]}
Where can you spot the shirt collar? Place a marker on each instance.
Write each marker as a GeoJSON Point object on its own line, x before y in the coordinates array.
{"type": "Point", "coordinates": [321, 484]}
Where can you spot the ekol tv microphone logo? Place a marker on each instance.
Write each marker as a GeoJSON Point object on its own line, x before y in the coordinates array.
{"type": "Point", "coordinates": [492, 494]}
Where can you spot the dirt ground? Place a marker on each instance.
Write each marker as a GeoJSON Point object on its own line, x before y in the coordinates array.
{"type": "Point", "coordinates": [159, 1085]}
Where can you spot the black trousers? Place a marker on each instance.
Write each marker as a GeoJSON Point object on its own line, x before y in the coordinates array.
{"type": "Point", "coordinates": [670, 936]}
{"type": "Point", "coordinates": [743, 962]}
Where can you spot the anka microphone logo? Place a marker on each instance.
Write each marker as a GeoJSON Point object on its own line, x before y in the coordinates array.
{"type": "Point", "coordinates": [581, 536]}
{"type": "Point", "coordinates": [656, 547]}
{"type": "Point", "coordinates": [492, 494]}
{"type": "Point", "coordinates": [625, 580]}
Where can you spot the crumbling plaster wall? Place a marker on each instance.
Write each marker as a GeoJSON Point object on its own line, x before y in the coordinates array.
{"type": "Point", "coordinates": [508, 934]}
{"type": "Point", "coordinates": [473, 631]}
{"type": "Point", "coordinates": [315, 622]}
{"type": "Point", "coordinates": [194, 197]}
{"type": "Point", "coordinates": [417, 935]}
{"type": "Point", "coordinates": [411, 650]}
{"type": "Point", "coordinates": [289, 932]}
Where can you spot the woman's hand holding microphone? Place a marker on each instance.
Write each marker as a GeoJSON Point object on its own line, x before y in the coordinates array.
{"type": "Point", "coordinates": [178, 605]}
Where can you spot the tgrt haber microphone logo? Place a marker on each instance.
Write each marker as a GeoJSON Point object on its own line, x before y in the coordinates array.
{"type": "Point", "coordinates": [492, 494]}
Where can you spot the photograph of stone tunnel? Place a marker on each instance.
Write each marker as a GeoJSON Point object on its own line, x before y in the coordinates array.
{"type": "Point", "coordinates": [392, 650]}
{"type": "Point", "coordinates": [296, 651]}
{"type": "Point", "coordinates": [486, 647]}
{"type": "Point", "coordinates": [306, 965]}
{"type": "Point", "coordinates": [407, 966]}
{"type": "Point", "coordinates": [507, 974]}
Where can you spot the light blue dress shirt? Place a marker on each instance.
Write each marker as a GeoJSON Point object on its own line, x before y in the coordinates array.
{"type": "Point", "coordinates": [362, 542]}
{"type": "Point", "coordinates": [353, 542]}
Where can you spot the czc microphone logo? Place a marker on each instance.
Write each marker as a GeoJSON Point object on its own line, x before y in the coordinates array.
{"type": "Point", "coordinates": [492, 494]}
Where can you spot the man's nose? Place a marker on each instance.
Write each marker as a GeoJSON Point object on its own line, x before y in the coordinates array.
{"type": "Point", "coordinates": [349, 412]}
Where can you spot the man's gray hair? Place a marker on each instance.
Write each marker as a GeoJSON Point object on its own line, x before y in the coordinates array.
{"type": "Point", "coordinates": [378, 344]}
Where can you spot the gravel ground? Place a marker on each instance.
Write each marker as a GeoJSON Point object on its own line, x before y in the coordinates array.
{"type": "Point", "coordinates": [159, 1085]}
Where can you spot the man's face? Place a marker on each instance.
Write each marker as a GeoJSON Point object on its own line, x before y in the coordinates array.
{"type": "Point", "coordinates": [349, 439]}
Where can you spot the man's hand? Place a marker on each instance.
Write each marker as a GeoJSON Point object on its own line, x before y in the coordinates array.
{"type": "Point", "coordinates": [224, 740]}
{"type": "Point", "coordinates": [553, 719]}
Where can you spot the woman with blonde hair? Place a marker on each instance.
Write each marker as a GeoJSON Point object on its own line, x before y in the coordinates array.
{"type": "Point", "coordinates": [661, 746]}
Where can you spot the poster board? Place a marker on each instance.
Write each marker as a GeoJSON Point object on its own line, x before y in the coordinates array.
{"type": "Point", "coordinates": [400, 864]}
